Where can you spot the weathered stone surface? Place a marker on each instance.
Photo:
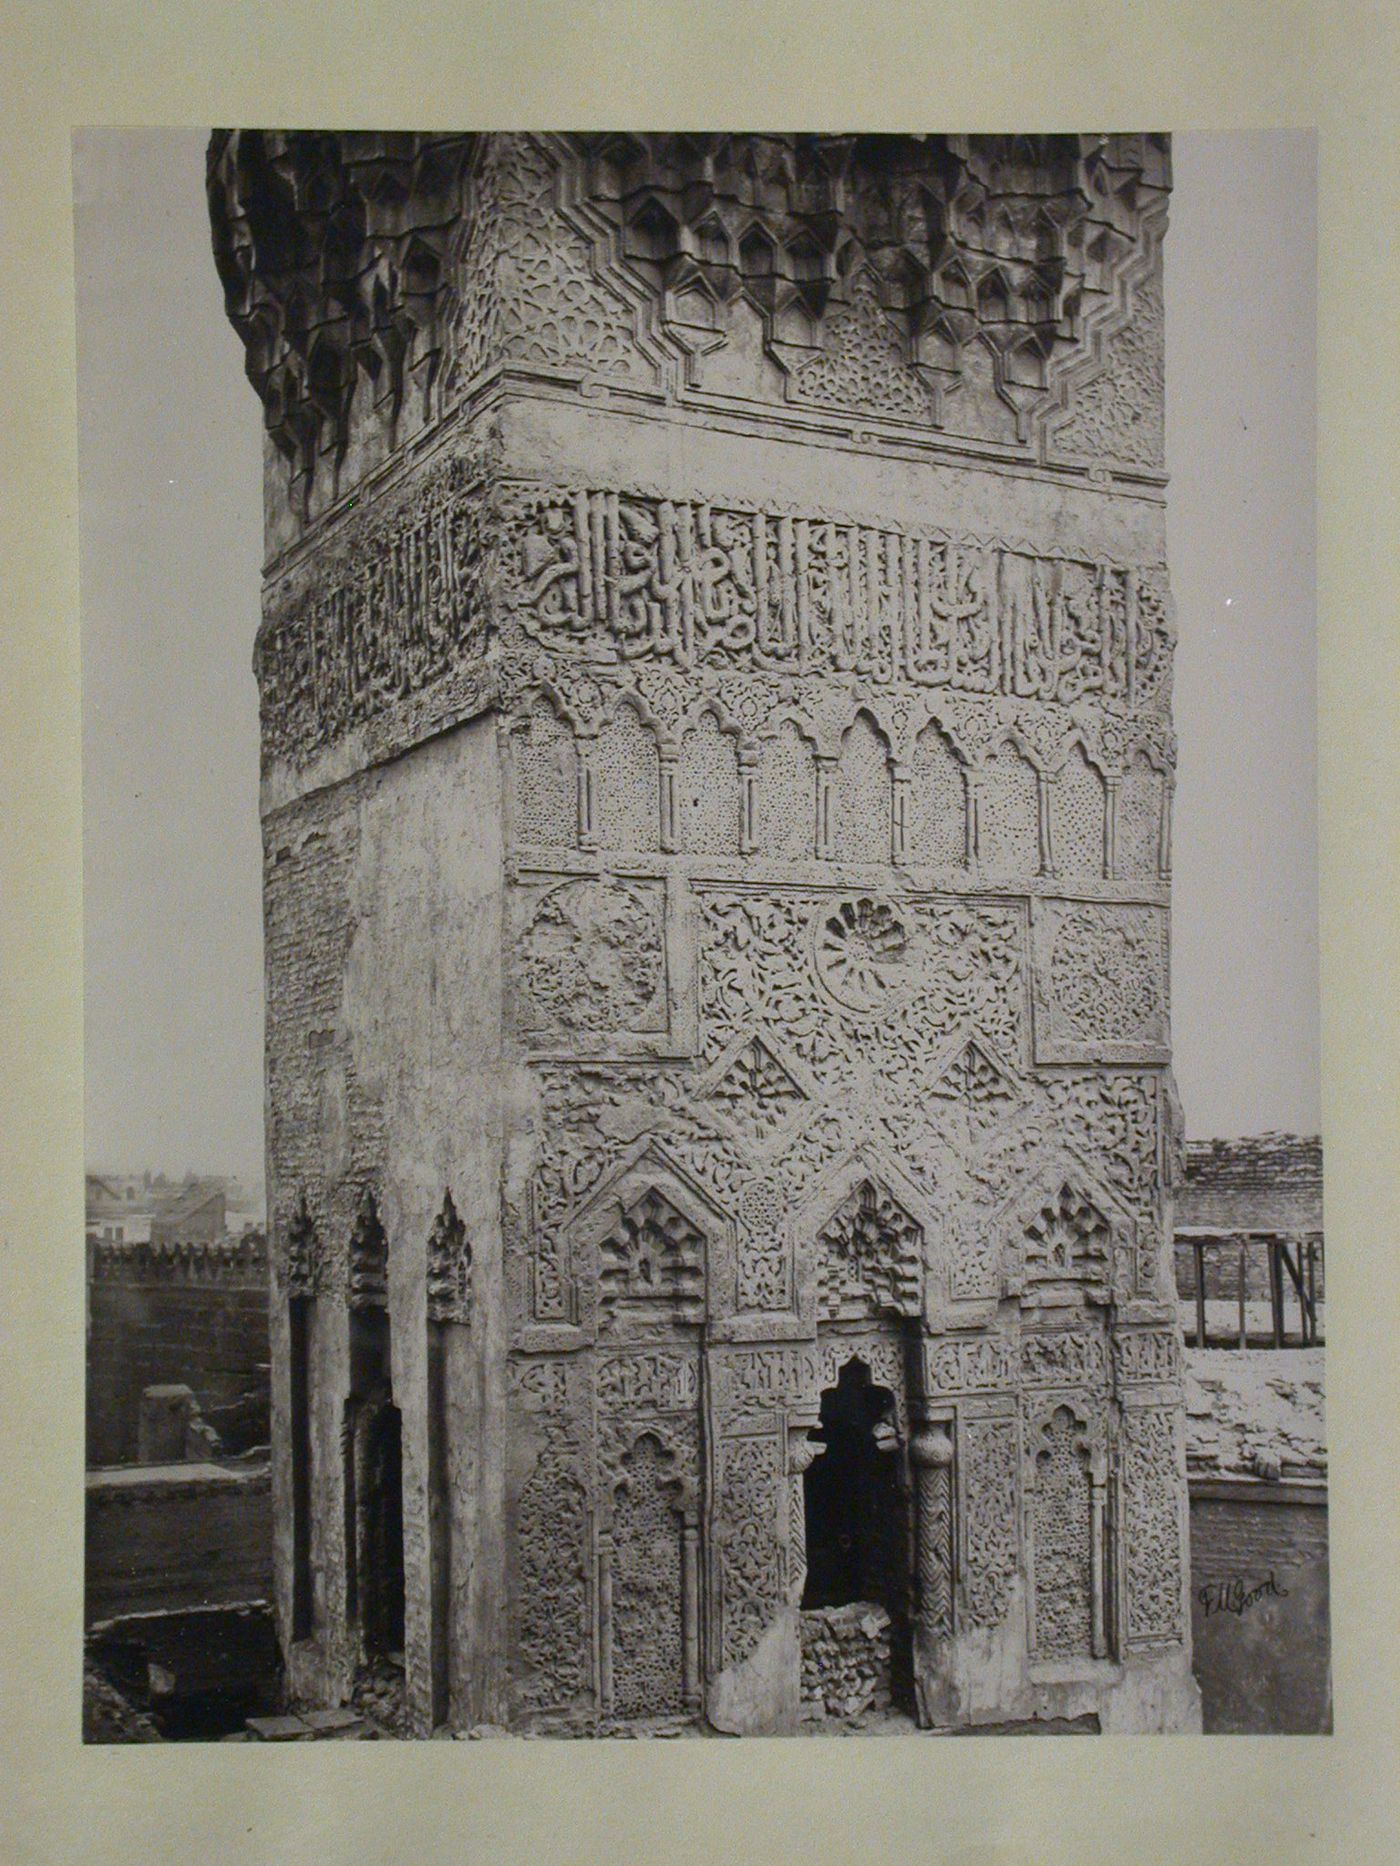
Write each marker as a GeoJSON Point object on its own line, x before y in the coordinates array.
{"type": "Point", "coordinates": [165, 1537]}
{"type": "Point", "coordinates": [717, 762]}
{"type": "Point", "coordinates": [1256, 1414]}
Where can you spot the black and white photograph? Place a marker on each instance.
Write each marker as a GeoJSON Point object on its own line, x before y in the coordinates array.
{"type": "Point", "coordinates": [703, 1104]}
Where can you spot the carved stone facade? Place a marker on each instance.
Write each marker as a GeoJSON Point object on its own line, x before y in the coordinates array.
{"type": "Point", "coordinates": [717, 762]}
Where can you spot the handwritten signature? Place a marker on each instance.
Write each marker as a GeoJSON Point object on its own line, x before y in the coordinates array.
{"type": "Point", "coordinates": [1233, 1596]}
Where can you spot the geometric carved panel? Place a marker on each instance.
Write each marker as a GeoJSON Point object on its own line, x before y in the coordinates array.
{"type": "Point", "coordinates": [974, 1077]}
{"type": "Point", "coordinates": [1100, 982]}
{"type": "Point", "coordinates": [591, 958]}
{"type": "Point", "coordinates": [751, 1475]}
{"type": "Point", "coordinates": [989, 1513]}
{"type": "Point", "coordinates": [551, 1544]}
{"type": "Point", "coordinates": [1152, 1525]}
{"type": "Point", "coordinates": [756, 1092]}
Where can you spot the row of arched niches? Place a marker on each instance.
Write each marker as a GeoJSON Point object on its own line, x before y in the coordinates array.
{"type": "Point", "coordinates": [710, 791]}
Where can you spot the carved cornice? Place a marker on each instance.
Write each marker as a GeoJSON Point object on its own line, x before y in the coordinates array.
{"type": "Point", "coordinates": [1014, 241]}
{"type": "Point", "coordinates": [330, 246]}
{"type": "Point", "coordinates": [969, 282]}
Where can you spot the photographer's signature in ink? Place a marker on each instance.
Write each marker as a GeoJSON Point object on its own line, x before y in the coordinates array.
{"type": "Point", "coordinates": [1235, 1596]}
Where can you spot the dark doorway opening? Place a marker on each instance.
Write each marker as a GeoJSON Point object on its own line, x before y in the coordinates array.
{"type": "Point", "coordinates": [299, 1317]}
{"type": "Point", "coordinates": [856, 1512]}
{"type": "Point", "coordinates": [374, 1489]}
{"type": "Point", "coordinates": [381, 1546]}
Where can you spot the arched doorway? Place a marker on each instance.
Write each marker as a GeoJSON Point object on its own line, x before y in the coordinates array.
{"type": "Point", "coordinates": [855, 1600]}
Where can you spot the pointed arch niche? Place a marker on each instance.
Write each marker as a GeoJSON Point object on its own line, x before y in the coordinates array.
{"type": "Point", "coordinates": [626, 784]}
{"type": "Point", "coordinates": [937, 802]}
{"type": "Point", "coordinates": [863, 795]}
{"type": "Point", "coordinates": [1065, 1483]}
{"type": "Point", "coordinates": [546, 779]}
{"type": "Point", "coordinates": [1078, 795]}
{"type": "Point", "coordinates": [708, 795]}
{"type": "Point", "coordinates": [787, 812]}
{"type": "Point", "coordinates": [1008, 813]}
{"type": "Point", "coordinates": [1137, 830]}
{"type": "Point", "coordinates": [373, 1449]}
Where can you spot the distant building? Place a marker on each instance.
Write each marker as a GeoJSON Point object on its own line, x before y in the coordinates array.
{"type": "Point", "coordinates": [117, 1207]}
{"type": "Point", "coordinates": [178, 1516]}
{"type": "Point", "coordinates": [198, 1216]}
{"type": "Point", "coordinates": [1249, 1241]}
{"type": "Point", "coordinates": [122, 1208]}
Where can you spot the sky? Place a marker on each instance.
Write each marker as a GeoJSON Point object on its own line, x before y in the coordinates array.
{"type": "Point", "coordinates": [170, 467]}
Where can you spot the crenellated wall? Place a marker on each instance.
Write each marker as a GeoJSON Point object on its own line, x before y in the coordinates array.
{"type": "Point", "coordinates": [192, 1312]}
{"type": "Point", "coordinates": [717, 774]}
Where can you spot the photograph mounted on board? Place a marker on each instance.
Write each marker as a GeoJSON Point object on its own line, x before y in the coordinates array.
{"type": "Point", "coordinates": [637, 1184]}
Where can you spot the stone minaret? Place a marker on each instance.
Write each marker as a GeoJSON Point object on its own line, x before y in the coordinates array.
{"type": "Point", "coordinates": [717, 761]}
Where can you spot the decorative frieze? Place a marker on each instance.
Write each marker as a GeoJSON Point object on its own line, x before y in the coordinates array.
{"type": "Point", "coordinates": [1064, 1357]}
{"type": "Point", "coordinates": [613, 578]}
{"type": "Point", "coordinates": [391, 609]}
{"type": "Point", "coordinates": [649, 1380]}
{"type": "Point", "coordinates": [983, 1364]}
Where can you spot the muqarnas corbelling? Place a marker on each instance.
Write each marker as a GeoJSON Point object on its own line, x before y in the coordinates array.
{"type": "Point", "coordinates": [994, 289]}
